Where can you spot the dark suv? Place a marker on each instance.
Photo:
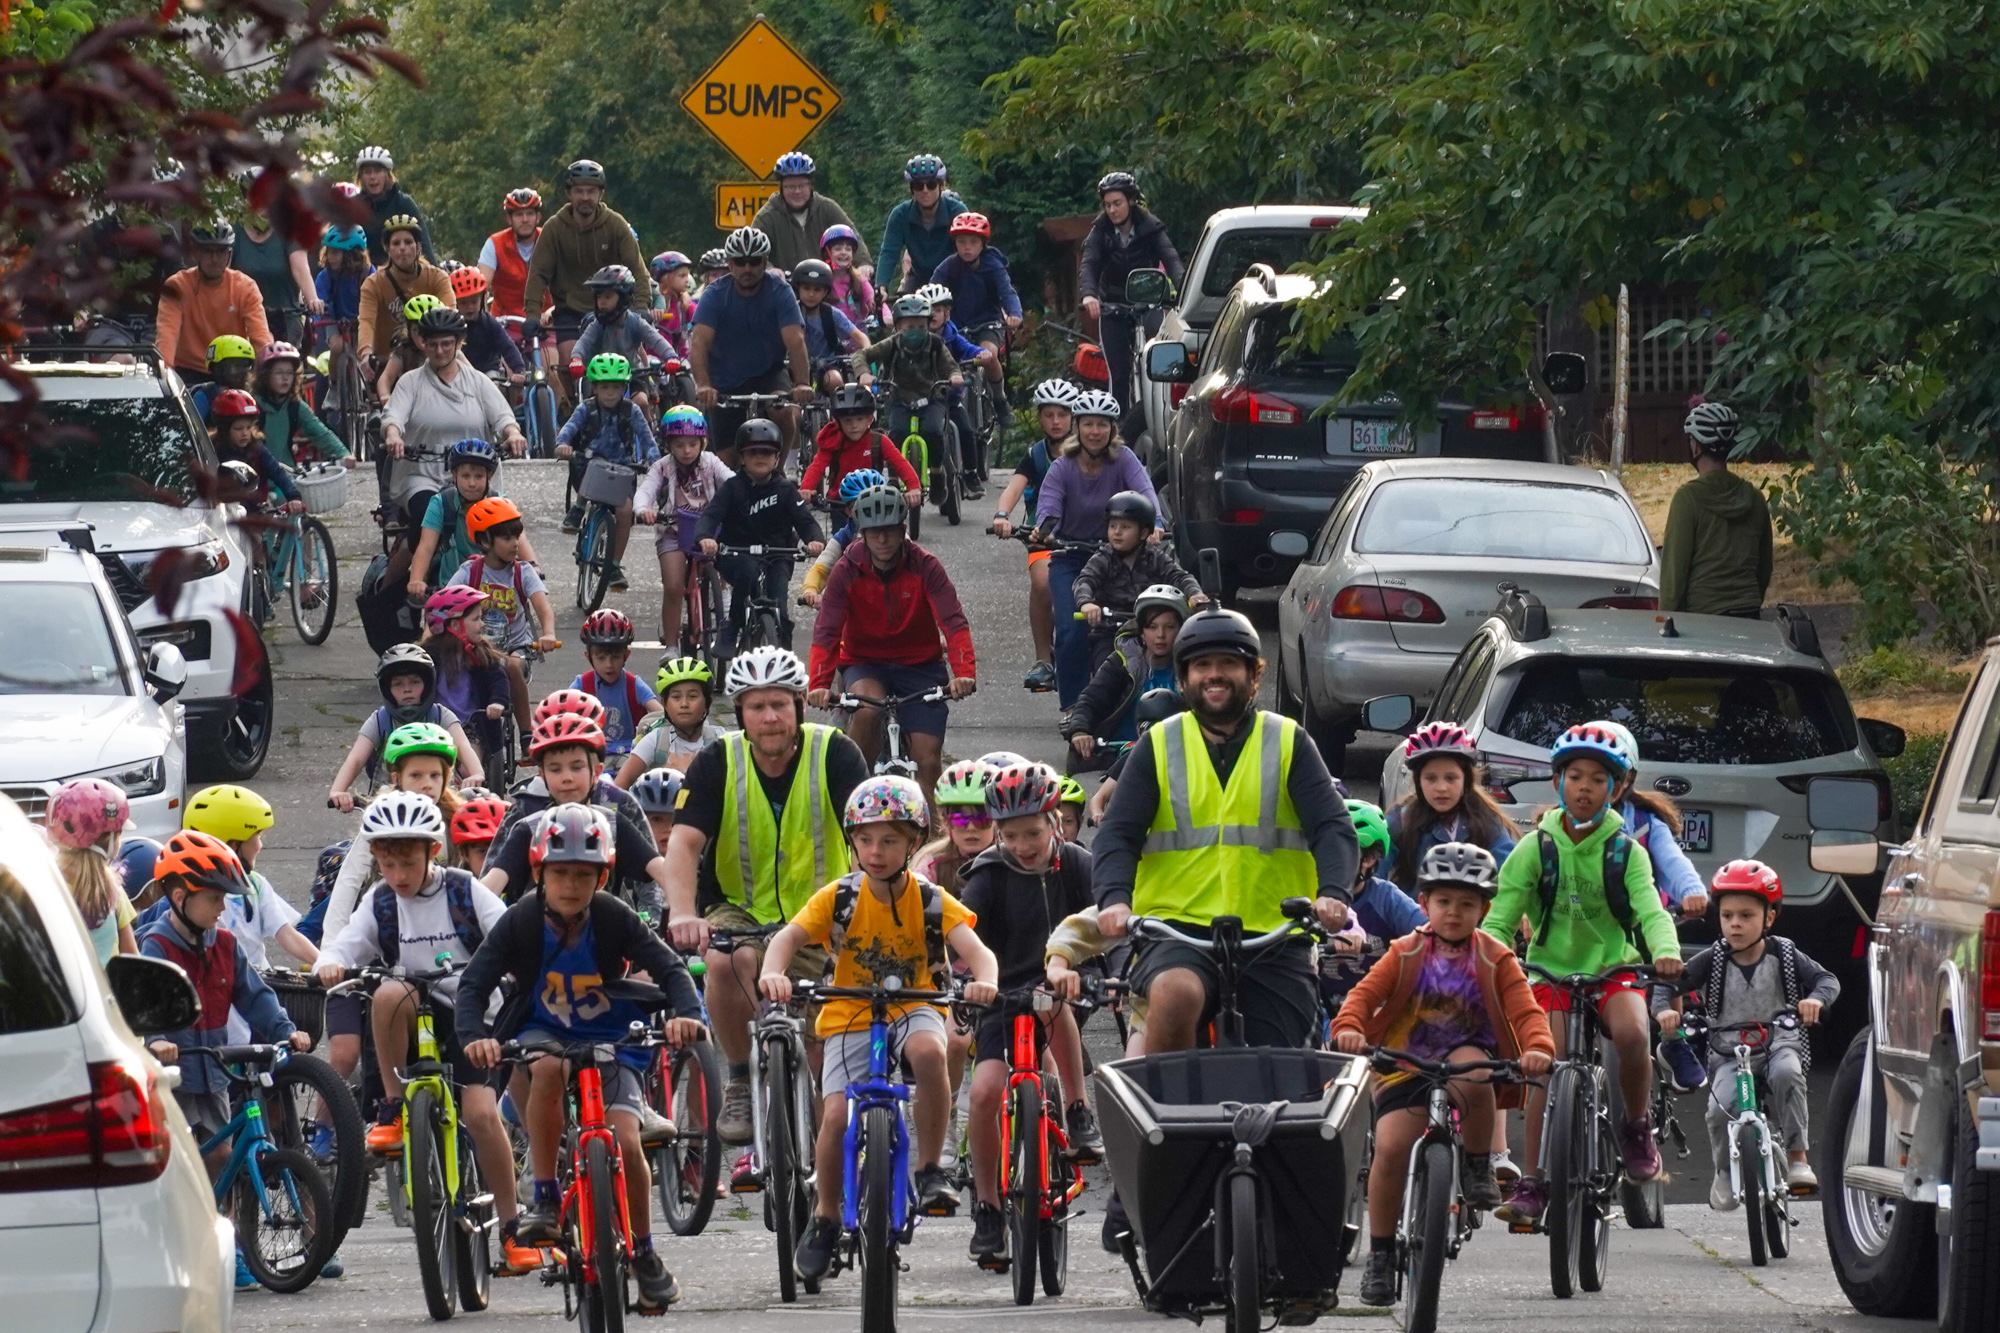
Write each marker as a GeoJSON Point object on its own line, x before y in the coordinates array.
{"type": "Point", "coordinates": [1254, 464]}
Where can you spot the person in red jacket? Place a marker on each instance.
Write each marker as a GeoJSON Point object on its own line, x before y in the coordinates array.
{"type": "Point", "coordinates": [849, 443]}
{"type": "Point", "coordinates": [890, 618]}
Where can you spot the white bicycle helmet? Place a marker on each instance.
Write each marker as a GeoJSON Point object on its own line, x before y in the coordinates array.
{"type": "Point", "coordinates": [374, 155]}
{"type": "Point", "coordinates": [933, 292]}
{"type": "Point", "coordinates": [1056, 393]}
{"type": "Point", "coordinates": [1712, 426]}
{"type": "Point", "coordinates": [746, 243]}
{"type": "Point", "coordinates": [1095, 403]}
{"type": "Point", "coordinates": [1160, 596]}
{"type": "Point", "coordinates": [764, 668]}
{"type": "Point", "coordinates": [403, 814]}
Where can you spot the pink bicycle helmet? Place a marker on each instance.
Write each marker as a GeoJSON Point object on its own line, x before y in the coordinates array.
{"type": "Point", "coordinates": [1438, 738]}
{"type": "Point", "coordinates": [448, 604]}
{"type": "Point", "coordinates": [85, 812]}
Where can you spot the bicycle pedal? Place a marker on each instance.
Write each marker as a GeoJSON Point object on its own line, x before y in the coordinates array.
{"type": "Point", "coordinates": [938, 1210]}
{"type": "Point", "coordinates": [1522, 1228]}
{"type": "Point", "coordinates": [995, 1263]}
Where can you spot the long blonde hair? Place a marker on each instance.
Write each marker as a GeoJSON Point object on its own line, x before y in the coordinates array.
{"type": "Point", "coordinates": [93, 881]}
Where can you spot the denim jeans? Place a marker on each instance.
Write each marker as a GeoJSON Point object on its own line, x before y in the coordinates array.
{"type": "Point", "coordinates": [1072, 635]}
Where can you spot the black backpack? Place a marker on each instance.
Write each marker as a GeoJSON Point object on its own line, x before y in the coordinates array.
{"type": "Point", "coordinates": [1617, 854]}
{"type": "Point", "coordinates": [848, 891]}
{"type": "Point", "coordinates": [387, 617]}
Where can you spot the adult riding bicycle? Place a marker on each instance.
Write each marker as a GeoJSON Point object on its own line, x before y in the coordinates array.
{"type": "Point", "coordinates": [895, 759]}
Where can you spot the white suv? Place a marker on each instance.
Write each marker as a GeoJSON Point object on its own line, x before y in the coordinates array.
{"type": "Point", "coordinates": [134, 489]}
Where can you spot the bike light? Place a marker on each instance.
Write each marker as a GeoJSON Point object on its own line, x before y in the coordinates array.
{"type": "Point", "coordinates": [1360, 601]}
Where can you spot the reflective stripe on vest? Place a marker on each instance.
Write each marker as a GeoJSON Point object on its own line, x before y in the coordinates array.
{"type": "Point", "coordinates": [767, 869]}
{"type": "Point", "coordinates": [1216, 850]}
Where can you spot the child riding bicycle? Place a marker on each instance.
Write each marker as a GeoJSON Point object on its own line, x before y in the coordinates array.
{"type": "Point", "coordinates": [672, 493]}
{"type": "Point", "coordinates": [757, 507]}
{"type": "Point", "coordinates": [611, 426]}
{"type": "Point", "coordinates": [910, 361]}
{"type": "Point", "coordinates": [850, 444]}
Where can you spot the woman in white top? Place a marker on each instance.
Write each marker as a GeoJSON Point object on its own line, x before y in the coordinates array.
{"type": "Point", "coordinates": [435, 406]}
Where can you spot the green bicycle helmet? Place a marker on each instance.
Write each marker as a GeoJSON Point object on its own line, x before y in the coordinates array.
{"type": "Point", "coordinates": [1070, 791]}
{"type": "Point", "coordinates": [1370, 828]}
{"type": "Point", "coordinates": [420, 305]}
{"type": "Point", "coordinates": [419, 738]}
{"type": "Point", "coordinates": [608, 368]}
{"type": "Point", "coordinates": [682, 669]}
{"type": "Point", "coordinates": [964, 783]}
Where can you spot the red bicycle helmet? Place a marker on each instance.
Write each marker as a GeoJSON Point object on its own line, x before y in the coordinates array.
{"type": "Point", "coordinates": [581, 702]}
{"type": "Point", "coordinates": [524, 197]}
{"type": "Point", "coordinates": [468, 281]}
{"type": "Point", "coordinates": [1753, 877]}
{"type": "Point", "coordinates": [204, 861]}
{"type": "Point", "coordinates": [606, 629]}
{"type": "Point", "coordinates": [1438, 738]}
{"type": "Point", "coordinates": [231, 403]}
{"type": "Point", "coordinates": [478, 820]}
{"type": "Point", "coordinates": [566, 729]}
{"type": "Point", "coordinates": [1023, 789]}
{"type": "Point", "coordinates": [971, 224]}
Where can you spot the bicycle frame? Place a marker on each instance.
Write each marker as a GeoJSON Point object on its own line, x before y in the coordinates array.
{"type": "Point", "coordinates": [1025, 1066]}
{"type": "Point", "coordinates": [586, 1108]}
{"type": "Point", "coordinates": [1750, 1111]}
{"type": "Point", "coordinates": [251, 1140]}
{"type": "Point", "coordinates": [430, 1071]}
{"type": "Point", "coordinates": [1442, 1128]}
{"type": "Point", "coordinates": [873, 1091]}
{"type": "Point", "coordinates": [895, 759]}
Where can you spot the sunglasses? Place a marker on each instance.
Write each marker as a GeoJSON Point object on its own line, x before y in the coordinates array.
{"type": "Point", "coordinates": [924, 185]}
{"type": "Point", "coordinates": [746, 263]}
{"type": "Point", "coordinates": [970, 819]}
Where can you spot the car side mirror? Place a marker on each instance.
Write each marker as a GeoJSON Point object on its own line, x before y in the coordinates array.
{"type": "Point", "coordinates": [154, 995]}
{"type": "Point", "coordinates": [1169, 363]}
{"type": "Point", "coordinates": [1844, 805]}
{"type": "Point", "coordinates": [166, 671]}
{"type": "Point", "coordinates": [1886, 739]}
{"type": "Point", "coordinates": [1148, 286]}
{"type": "Point", "coordinates": [1834, 852]}
{"type": "Point", "coordinates": [1565, 372]}
{"type": "Point", "coordinates": [1389, 712]}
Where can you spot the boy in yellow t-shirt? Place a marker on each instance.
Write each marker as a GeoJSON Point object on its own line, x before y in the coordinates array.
{"type": "Point", "coordinates": [878, 922]}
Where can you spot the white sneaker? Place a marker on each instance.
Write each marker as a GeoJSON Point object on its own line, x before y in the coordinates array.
{"type": "Point", "coordinates": [654, 1128]}
{"type": "Point", "coordinates": [1801, 1178]}
{"type": "Point", "coordinates": [1719, 1196]}
{"type": "Point", "coordinates": [1504, 1170]}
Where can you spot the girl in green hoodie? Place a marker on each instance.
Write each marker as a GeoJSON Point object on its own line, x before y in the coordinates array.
{"type": "Point", "coordinates": [1574, 927]}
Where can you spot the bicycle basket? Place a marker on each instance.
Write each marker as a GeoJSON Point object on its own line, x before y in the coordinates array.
{"type": "Point", "coordinates": [302, 1000]}
{"type": "Point", "coordinates": [607, 483]}
{"type": "Point", "coordinates": [323, 487]}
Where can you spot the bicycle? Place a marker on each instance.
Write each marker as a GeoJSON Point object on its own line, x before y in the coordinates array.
{"type": "Point", "coordinates": [701, 614]}
{"type": "Point", "coordinates": [300, 561]}
{"type": "Point", "coordinates": [1580, 1158]}
{"type": "Point", "coordinates": [1436, 1221]}
{"type": "Point", "coordinates": [895, 760]}
{"type": "Point", "coordinates": [1042, 1178]}
{"type": "Point", "coordinates": [286, 1226]}
{"type": "Point", "coordinates": [350, 399]}
{"type": "Point", "coordinates": [434, 1172]}
{"type": "Point", "coordinates": [784, 1117]}
{"type": "Point", "coordinates": [306, 1092]}
{"type": "Point", "coordinates": [1757, 1173]}
{"type": "Point", "coordinates": [1645, 1201]}
{"type": "Point", "coordinates": [763, 615]}
{"type": "Point", "coordinates": [948, 485]}
{"type": "Point", "coordinates": [878, 1213]}
{"type": "Point", "coordinates": [534, 405]}
{"type": "Point", "coordinates": [602, 479]}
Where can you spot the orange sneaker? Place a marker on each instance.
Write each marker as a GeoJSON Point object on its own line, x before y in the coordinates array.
{"type": "Point", "coordinates": [385, 1140]}
{"type": "Point", "coordinates": [516, 1258]}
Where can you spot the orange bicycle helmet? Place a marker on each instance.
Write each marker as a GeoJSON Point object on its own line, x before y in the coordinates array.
{"type": "Point", "coordinates": [468, 281]}
{"type": "Point", "coordinates": [524, 197]}
{"type": "Point", "coordinates": [204, 861]}
{"type": "Point", "coordinates": [581, 702]}
{"type": "Point", "coordinates": [566, 729]}
{"type": "Point", "coordinates": [490, 513]}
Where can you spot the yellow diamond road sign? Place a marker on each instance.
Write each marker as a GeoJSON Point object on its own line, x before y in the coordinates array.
{"type": "Point", "coordinates": [737, 202]}
{"type": "Point", "coordinates": [761, 99]}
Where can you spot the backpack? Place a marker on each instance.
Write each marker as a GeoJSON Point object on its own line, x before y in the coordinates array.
{"type": "Point", "coordinates": [847, 891]}
{"type": "Point", "coordinates": [387, 617]}
{"type": "Point", "coordinates": [385, 723]}
{"type": "Point", "coordinates": [313, 924]}
{"type": "Point", "coordinates": [632, 713]}
{"type": "Point", "coordinates": [1788, 975]}
{"type": "Point", "coordinates": [458, 900]}
{"type": "Point", "coordinates": [593, 426]}
{"type": "Point", "coordinates": [1617, 853]}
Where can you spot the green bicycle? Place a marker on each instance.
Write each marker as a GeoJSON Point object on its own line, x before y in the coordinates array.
{"type": "Point", "coordinates": [948, 485]}
{"type": "Point", "coordinates": [435, 1172]}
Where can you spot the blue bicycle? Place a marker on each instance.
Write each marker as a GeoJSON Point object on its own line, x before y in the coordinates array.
{"type": "Point", "coordinates": [286, 1227]}
{"type": "Point", "coordinates": [878, 1213]}
{"type": "Point", "coordinates": [536, 412]}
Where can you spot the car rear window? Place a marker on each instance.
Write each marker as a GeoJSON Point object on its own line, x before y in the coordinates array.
{"type": "Point", "coordinates": [1684, 712]}
{"type": "Point", "coordinates": [1272, 352]}
{"type": "Point", "coordinates": [143, 446]}
{"type": "Point", "coordinates": [34, 994]}
{"type": "Point", "coordinates": [58, 642]}
{"type": "Point", "coordinates": [1522, 520]}
{"type": "Point", "coordinates": [1236, 251]}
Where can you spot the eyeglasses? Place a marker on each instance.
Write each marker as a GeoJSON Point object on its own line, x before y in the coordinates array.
{"type": "Point", "coordinates": [969, 819]}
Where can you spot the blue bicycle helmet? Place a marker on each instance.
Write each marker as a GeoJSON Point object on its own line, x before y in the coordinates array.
{"type": "Point", "coordinates": [472, 451]}
{"type": "Point", "coordinates": [795, 164]}
{"type": "Point", "coordinates": [858, 481]}
{"type": "Point", "coordinates": [344, 238]}
{"type": "Point", "coordinates": [1591, 740]}
{"type": "Point", "coordinates": [135, 860]}
{"type": "Point", "coordinates": [657, 790]}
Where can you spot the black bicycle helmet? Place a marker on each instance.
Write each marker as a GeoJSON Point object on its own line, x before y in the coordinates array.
{"type": "Point", "coordinates": [1215, 630]}
{"type": "Point", "coordinates": [443, 322]}
{"type": "Point", "coordinates": [615, 277]}
{"type": "Point", "coordinates": [583, 171]}
{"type": "Point", "coordinates": [1123, 181]}
{"type": "Point", "coordinates": [1156, 706]}
{"type": "Point", "coordinates": [1134, 506]}
{"type": "Point", "coordinates": [815, 271]}
{"type": "Point", "coordinates": [853, 400]}
{"type": "Point", "coordinates": [759, 432]}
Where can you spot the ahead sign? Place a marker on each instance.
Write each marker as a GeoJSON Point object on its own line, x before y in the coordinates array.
{"type": "Point", "coordinates": [761, 99]}
{"type": "Point", "coordinates": [737, 202]}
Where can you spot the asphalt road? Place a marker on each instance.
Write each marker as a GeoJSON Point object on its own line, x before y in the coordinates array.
{"type": "Point", "coordinates": [1693, 1274]}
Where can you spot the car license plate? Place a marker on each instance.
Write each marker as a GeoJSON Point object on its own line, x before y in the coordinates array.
{"type": "Point", "coordinates": [1359, 436]}
{"type": "Point", "coordinates": [1697, 830]}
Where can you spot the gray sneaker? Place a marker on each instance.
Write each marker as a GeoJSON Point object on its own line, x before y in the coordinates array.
{"type": "Point", "coordinates": [1482, 1191]}
{"type": "Point", "coordinates": [734, 1125]}
{"type": "Point", "coordinates": [1720, 1197]}
{"type": "Point", "coordinates": [1378, 1278]}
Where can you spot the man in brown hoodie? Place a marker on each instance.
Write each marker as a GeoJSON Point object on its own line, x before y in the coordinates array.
{"type": "Point", "coordinates": [580, 239]}
{"type": "Point", "coordinates": [1716, 560]}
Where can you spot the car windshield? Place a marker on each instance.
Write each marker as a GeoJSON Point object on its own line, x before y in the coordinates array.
{"type": "Point", "coordinates": [1522, 520]}
{"type": "Point", "coordinates": [1236, 251]}
{"type": "Point", "coordinates": [1271, 352]}
{"type": "Point", "coordinates": [1683, 712]}
{"type": "Point", "coordinates": [57, 642]}
{"type": "Point", "coordinates": [143, 447]}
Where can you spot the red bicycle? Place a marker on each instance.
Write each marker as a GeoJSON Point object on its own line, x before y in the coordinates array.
{"type": "Point", "coordinates": [1043, 1179]}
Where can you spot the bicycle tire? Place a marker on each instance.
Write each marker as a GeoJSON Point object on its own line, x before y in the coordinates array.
{"type": "Point", "coordinates": [765, 631]}
{"type": "Point", "coordinates": [1430, 1241]}
{"type": "Point", "coordinates": [1055, 1256]}
{"type": "Point", "coordinates": [1027, 1181]}
{"type": "Point", "coordinates": [300, 1202]}
{"type": "Point", "coordinates": [781, 1184]}
{"type": "Point", "coordinates": [393, 1185]}
{"type": "Point", "coordinates": [1606, 1167]}
{"type": "Point", "coordinates": [1751, 1157]}
{"type": "Point", "coordinates": [693, 1162]}
{"type": "Point", "coordinates": [430, 1206]}
{"type": "Point", "coordinates": [1560, 1149]}
{"type": "Point", "coordinates": [1777, 1227]}
{"type": "Point", "coordinates": [605, 1295]}
{"type": "Point", "coordinates": [879, 1264]}
{"type": "Point", "coordinates": [472, 1241]}
{"type": "Point", "coordinates": [317, 577]}
{"type": "Point", "coordinates": [920, 463]}
{"type": "Point", "coordinates": [353, 408]}
{"type": "Point", "coordinates": [284, 1116]}
{"type": "Point", "coordinates": [1246, 1314]}
{"type": "Point", "coordinates": [952, 492]}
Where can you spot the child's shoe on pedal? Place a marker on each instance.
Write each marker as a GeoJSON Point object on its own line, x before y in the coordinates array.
{"type": "Point", "coordinates": [1378, 1277]}
{"type": "Point", "coordinates": [935, 1195]}
{"type": "Point", "coordinates": [1504, 1170]}
{"type": "Point", "coordinates": [1041, 677]}
{"type": "Point", "coordinates": [1720, 1197]}
{"type": "Point", "coordinates": [1801, 1178]}
{"type": "Point", "coordinates": [616, 574]}
{"type": "Point", "coordinates": [1525, 1203]}
{"type": "Point", "coordinates": [245, 1279]}
{"type": "Point", "coordinates": [1636, 1146]}
{"type": "Point", "coordinates": [1482, 1191]}
{"type": "Point", "coordinates": [540, 1220]}
{"type": "Point", "coordinates": [1086, 1140]}
{"type": "Point", "coordinates": [386, 1134]}
{"type": "Point", "coordinates": [989, 1232]}
{"type": "Point", "coordinates": [815, 1253]}
{"type": "Point", "coordinates": [573, 520]}
{"type": "Point", "coordinates": [1684, 1068]}
{"type": "Point", "coordinates": [657, 1288]}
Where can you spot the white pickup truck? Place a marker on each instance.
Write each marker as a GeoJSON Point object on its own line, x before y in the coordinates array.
{"type": "Point", "coordinates": [1280, 235]}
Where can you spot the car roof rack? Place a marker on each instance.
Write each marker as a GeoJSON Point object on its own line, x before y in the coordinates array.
{"type": "Point", "coordinates": [1527, 619]}
{"type": "Point", "coordinates": [1799, 630]}
{"type": "Point", "coordinates": [1266, 276]}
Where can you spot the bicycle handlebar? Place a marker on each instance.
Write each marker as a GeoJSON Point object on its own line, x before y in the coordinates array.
{"type": "Point", "coordinates": [1577, 981]}
{"type": "Point", "coordinates": [729, 941]}
{"type": "Point", "coordinates": [1153, 927]}
{"type": "Point", "coordinates": [1386, 1059]}
{"type": "Point", "coordinates": [815, 990]}
{"type": "Point", "coordinates": [939, 695]}
{"type": "Point", "coordinates": [1025, 536]}
{"type": "Point", "coordinates": [787, 552]}
{"type": "Point", "coordinates": [371, 977]}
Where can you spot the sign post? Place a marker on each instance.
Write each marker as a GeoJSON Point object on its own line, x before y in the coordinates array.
{"type": "Point", "coordinates": [760, 100]}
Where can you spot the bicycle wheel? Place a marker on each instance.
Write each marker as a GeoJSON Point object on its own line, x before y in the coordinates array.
{"type": "Point", "coordinates": [305, 1089]}
{"type": "Point", "coordinates": [353, 407]}
{"type": "Point", "coordinates": [1245, 1278]}
{"type": "Point", "coordinates": [1751, 1156]}
{"type": "Point", "coordinates": [879, 1264]}
{"type": "Point", "coordinates": [605, 1296]}
{"type": "Point", "coordinates": [288, 1236]}
{"type": "Point", "coordinates": [1606, 1169]}
{"type": "Point", "coordinates": [1563, 1150]}
{"type": "Point", "coordinates": [952, 491]}
{"type": "Point", "coordinates": [598, 531]}
{"type": "Point", "coordinates": [430, 1205]}
{"type": "Point", "coordinates": [781, 1183]}
{"type": "Point", "coordinates": [917, 452]}
{"type": "Point", "coordinates": [1055, 1255]}
{"type": "Point", "coordinates": [542, 412]}
{"type": "Point", "coordinates": [686, 1177]}
{"type": "Point", "coordinates": [1027, 1179]}
{"type": "Point", "coordinates": [1645, 1201]}
{"type": "Point", "coordinates": [763, 631]}
{"type": "Point", "coordinates": [472, 1231]}
{"type": "Point", "coordinates": [315, 583]}
{"type": "Point", "coordinates": [393, 1186]}
{"type": "Point", "coordinates": [1430, 1241]}
{"type": "Point", "coordinates": [805, 1139]}
{"type": "Point", "coordinates": [1778, 1224]}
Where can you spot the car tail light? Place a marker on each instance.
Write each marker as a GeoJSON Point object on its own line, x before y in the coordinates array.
{"type": "Point", "coordinates": [1989, 975]}
{"type": "Point", "coordinates": [1528, 416]}
{"type": "Point", "coordinates": [1359, 601]}
{"type": "Point", "coordinates": [1176, 392]}
{"type": "Point", "coordinates": [1246, 407]}
{"type": "Point", "coordinates": [1502, 775]}
{"type": "Point", "coordinates": [1320, 224]}
{"type": "Point", "coordinates": [1622, 604]}
{"type": "Point", "coordinates": [115, 1136]}
{"type": "Point", "coordinates": [1243, 516]}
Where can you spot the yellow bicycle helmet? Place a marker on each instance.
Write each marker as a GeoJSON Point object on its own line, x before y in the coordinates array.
{"type": "Point", "coordinates": [231, 813]}
{"type": "Point", "coordinates": [229, 347]}
{"type": "Point", "coordinates": [1069, 791]}
{"type": "Point", "coordinates": [681, 669]}
{"type": "Point", "coordinates": [420, 305]}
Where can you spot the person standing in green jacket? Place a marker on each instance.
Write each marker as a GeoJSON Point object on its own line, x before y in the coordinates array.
{"type": "Point", "coordinates": [1717, 556]}
{"type": "Point", "coordinates": [291, 430]}
{"type": "Point", "coordinates": [1578, 923]}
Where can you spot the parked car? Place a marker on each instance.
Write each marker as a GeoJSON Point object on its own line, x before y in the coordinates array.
{"type": "Point", "coordinates": [107, 1222]}
{"type": "Point", "coordinates": [1909, 1149]}
{"type": "Point", "coordinates": [1734, 718]}
{"type": "Point", "coordinates": [1408, 565]}
{"type": "Point", "coordinates": [1258, 450]}
{"type": "Point", "coordinates": [79, 698]}
{"type": "Point", "coordinates": [135, 489]}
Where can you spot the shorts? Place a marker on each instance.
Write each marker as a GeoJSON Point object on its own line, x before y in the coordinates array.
{"type": "Point", "coordinates": [622, 1090]}
{"type": "Point", "coordinates": [208, 1112]}
{"type": "Point", "coordinates": [808, 964]}
{"type": "Point", "coordinates": [896, 678]}
{"type": "Point", "coordinates": [845, 1058]}
{"type": "Point", "coordinates": [676, 533]}
{"type": "Point", "coordinates": [1407, 1094]}
{"type": "Point", "coordinates": [1036, 557]}
{"type": "Point", "coordinates": [1278, 993]}
{"type": "Point", "coordinates": [343, 1016]}
{"type": "Point", "coordinates": [565, 324]}
{"type": "Point", "coordinates": [778, 379]}
{"type": "Point", "coordinates": [1554, 1000]}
